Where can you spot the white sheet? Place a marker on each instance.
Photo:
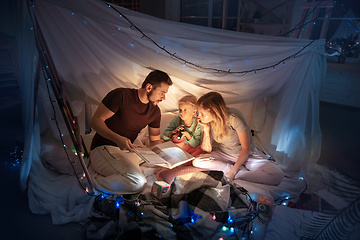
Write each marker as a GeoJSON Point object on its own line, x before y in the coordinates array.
{"type": "Point", "coordinates": [95, 50]}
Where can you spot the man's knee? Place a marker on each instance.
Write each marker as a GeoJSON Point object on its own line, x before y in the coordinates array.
{"type": "Point", "coordinates": [122, 183]}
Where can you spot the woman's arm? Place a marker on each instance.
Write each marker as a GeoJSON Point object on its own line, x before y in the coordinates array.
{"type": "Point", "coordinates": [244, 153]}
{"type": "Point", "coordinates": [206, 138]}
{"type": "Point", "coordinates": [97, 122]}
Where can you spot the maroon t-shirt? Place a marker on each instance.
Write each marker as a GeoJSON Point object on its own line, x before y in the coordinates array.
{"type": "Point", "coordinates": [131, 115]}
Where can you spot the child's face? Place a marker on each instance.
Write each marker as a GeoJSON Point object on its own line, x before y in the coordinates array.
{"type": "Point", "coordinates": [186, 111]}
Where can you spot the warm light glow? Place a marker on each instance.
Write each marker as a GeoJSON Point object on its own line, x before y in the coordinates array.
{"type": "Point", "coordinates": [86, 189]}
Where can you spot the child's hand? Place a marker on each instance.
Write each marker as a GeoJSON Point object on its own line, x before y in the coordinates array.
{"type": "Point", "coordinates": [186, 134]}
{"type": "Point", "coordinates": [176, 130]}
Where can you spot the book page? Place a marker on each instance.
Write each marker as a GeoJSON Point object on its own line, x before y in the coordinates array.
{"type": "Point", "coordinates": [171, 153]}
{"type": "Point", "coordinates": [166, 154]}
{"type": "Point", "coordinates": [150, 157]}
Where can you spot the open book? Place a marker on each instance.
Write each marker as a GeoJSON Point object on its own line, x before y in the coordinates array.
{"type": "Point", "coordinates": [166, 154]}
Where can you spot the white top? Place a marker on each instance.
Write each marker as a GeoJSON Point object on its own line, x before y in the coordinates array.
{"type": "Point", "coordinates": [231, 143]}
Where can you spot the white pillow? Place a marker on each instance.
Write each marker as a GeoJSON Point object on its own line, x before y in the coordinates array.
{"type": "Point", "coordinates": [54, 157]}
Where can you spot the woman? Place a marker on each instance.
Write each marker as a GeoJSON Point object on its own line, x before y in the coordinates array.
{"type": "Point", "coordinates": [234, 154]}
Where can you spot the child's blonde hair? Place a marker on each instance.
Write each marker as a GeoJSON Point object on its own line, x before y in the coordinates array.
{"type": "Point", "coordinates": [191, 99]}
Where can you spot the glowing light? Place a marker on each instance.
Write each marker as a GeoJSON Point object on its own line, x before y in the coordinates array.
{"type": "Point", "coordinates": [213, 216]}
{"type": "Point", "coordinates": [118, 29]}
{"type": "Point", "coordinates": [224, 228]}
{"type": "Point", "coordinates": [86, 189]}
{"type": "Point", "coordinates": [284, 203]}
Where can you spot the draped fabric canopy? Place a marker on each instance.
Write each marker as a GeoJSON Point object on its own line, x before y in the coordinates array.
{"type": "Point", "coordinates": [97, 47]}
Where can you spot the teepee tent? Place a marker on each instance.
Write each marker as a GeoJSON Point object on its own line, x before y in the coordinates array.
{"type": "Point", "coordinates": [96, 47]}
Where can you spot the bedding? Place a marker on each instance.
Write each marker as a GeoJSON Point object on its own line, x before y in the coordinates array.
{"type": "Point", "coordinates": [200, 205]}
{"type": "Point", "coordinates": [189, 182]}
{"type": "Point", "coordinates": [185, 176]}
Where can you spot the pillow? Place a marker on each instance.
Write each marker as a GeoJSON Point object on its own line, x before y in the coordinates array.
{"type": "Point", "coordinates": [54, 157]}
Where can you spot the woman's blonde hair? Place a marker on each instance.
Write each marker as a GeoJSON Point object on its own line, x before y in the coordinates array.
{"type": "Point", "coordinates": [191, 99]}
{"type": "Point", "coordinates": [215, 103]}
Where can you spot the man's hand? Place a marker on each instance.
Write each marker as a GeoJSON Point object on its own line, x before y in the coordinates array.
{"type": "Point", "coordinates": [124, 143]}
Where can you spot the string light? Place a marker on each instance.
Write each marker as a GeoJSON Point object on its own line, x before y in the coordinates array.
{"type": "Point", "coordinates": [197, 66]}
{"type": "Point", "coordinates": [300, 25]}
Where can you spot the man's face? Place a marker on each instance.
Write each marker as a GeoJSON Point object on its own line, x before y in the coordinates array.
{"type": "Point", "coordinates": [158, 94]}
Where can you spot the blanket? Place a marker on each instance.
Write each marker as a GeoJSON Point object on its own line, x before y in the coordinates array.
{"type": "Point", "coordinates": [198, 206]}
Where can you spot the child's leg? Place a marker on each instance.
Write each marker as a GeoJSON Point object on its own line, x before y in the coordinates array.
{"type": "Point", "coordinates": [195, 151]}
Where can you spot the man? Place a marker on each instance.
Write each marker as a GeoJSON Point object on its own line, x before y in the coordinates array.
{"type": "Point", "coordinates": [119, 118]}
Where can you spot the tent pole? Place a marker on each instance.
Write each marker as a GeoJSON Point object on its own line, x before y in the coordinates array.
{"type": "Point", "coordinates": [59, 90]}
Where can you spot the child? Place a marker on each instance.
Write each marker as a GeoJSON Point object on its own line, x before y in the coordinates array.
{"type": "Point", "coordinates": [183, 129]}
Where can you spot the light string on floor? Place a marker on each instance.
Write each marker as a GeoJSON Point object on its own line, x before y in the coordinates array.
{"type": "Point", "coordinates": [184, 62]}
{"type": "Point", "coordinates": [283, 200]}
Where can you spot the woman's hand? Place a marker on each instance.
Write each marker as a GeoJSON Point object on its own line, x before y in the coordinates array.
{"type": "Point", "coordinates": [205, 126]}
{"type": "Point", "coordinates": [230, 175]}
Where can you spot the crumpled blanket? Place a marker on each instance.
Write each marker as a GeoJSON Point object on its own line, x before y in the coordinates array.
{"type": "Point", "coordinates": [197, 207]}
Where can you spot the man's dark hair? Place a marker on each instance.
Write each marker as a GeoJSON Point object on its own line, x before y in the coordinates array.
{"type": "Point", "coordinates": [155, 78]}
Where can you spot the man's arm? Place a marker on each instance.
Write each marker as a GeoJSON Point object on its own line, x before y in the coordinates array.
{"type": "Point", "coordinates": [154, 136]}
{"type": "Point", "coordinates": [97, 122]}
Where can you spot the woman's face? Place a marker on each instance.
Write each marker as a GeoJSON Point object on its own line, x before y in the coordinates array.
{"type": "Point", "coordinates": [204, 115]}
